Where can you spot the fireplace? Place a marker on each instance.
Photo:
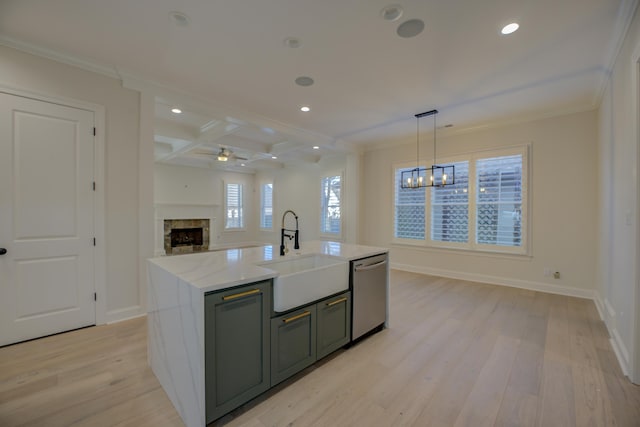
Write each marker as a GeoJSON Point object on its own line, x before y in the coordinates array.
{"type": "Point", "coordinates": [183, 236]}
{"type": "Point", "coordinates": [186, 237]}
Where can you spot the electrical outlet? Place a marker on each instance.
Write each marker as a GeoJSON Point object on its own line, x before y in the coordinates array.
{"type": "Point", "coordinates": [547, 272]}
{"type": "Point", "coordinates": [556, 275]}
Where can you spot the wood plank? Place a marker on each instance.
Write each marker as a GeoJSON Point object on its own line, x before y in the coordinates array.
{"type": "Point", "coordinates": [557, 406]}
{"type": "Point", "coordinates": [457, 352]}
{"type": "Point", "coordinates": [593, 407]}
{"type": "Point", "coordinates": [482, 404]}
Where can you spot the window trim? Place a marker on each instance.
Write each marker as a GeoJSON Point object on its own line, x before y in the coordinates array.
{"type": "Point", "coordinates": [243, 206]}
{"type": "Point", "coordinates": [261, 208]}
{"type": "Point", "coordinates": [323, 234]}
{"type": "Point", "coordinates": [524, 248]}
{"type": "Point", "coordinates": [470, 213]}
{"type": "Point", "coordinates": [394, 186]}
{"type": "Point", "coordinates": [471, 245]}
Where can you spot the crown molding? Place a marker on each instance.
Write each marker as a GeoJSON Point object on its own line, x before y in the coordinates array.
{"type": "Point", "coordinates": [157, 89]}
{"type": "Point", "coordinates": [64, 58]}
{"type": "Point", "coordinates": [625, 17]}
{"type": "Point", "coordinates": [497, 124]}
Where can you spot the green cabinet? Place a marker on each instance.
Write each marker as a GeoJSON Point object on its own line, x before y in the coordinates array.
{"type": "Point", "coordinates": [247, 352]}
{"type": "Point", "coordinates": [301, 337]}
{"type": "Point", "coordinates": [293, 343]}
{"type": "Point", "coordinates": [334, 324]}
{"type": "Point", "coordinates": [236, 346]}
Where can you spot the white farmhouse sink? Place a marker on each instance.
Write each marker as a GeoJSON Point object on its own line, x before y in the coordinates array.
{"type": "Point", "coordinates": [307, 278]}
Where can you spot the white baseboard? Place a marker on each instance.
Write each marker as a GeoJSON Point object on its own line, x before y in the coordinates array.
{"type": "Point", "coordinates": [608, 316]}
{"type": "Point", "coordinates": [496, 280]}
{"type": "Point", "coordinates": [610, 313]}
{"type": "Point", "coordinates": [599, 306]}
{"type": "Point", "coordinates": [622, 354]}
{"type": "Point", "coordinates": [123, 314]}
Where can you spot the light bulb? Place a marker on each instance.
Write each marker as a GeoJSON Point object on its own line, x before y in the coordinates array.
{"type": "Point", "coordinates": [431, 178]}
{"type": "Point", "coordinates": [444, 178]}
{"type": "Point", "coordinates": [511, 28]}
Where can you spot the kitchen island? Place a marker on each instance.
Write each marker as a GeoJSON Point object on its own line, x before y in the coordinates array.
{"type": "Point", "coordinates": [178, 288]}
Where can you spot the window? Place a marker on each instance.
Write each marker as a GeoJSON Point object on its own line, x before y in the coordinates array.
{"type": "Point", "coordinates": [266, 206]}
{"type": "Point", "coordinates": [234, 206]}
{"type": "Point", "coordinates": [499, 201]}
{"type": "Point", "coordinates": [484, 210]}
{"type": "Point", "coordinates": [330, 222]}
{"type": "Point", "coordinates": [450, 208]}
{"type": "Point", "coordinates": [409, 212]}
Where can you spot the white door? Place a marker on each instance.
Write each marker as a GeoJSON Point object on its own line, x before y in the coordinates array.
{"type": "Point", "coordinates": [46, 218]}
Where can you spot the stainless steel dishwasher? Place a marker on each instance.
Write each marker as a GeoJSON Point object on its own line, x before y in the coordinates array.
{"type": "Point", "coordinates": [369, 277]}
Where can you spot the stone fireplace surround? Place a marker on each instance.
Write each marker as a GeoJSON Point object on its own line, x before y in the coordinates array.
{"type": "Point", "coordinates": [185, 212]}
{"type": "Point", "coordinates": [170, 225]}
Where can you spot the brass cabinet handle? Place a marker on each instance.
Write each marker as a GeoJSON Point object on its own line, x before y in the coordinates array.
{"type": "Point", "coordinates": [240, 295]}
{"type": "Point", "coordinates": [338, 301]}
{"type": "Point", "coordinates": [296, 317]}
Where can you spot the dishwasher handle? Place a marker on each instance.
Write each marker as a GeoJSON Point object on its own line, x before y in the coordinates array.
{"type": "Point", "coordinates": [361, 267]}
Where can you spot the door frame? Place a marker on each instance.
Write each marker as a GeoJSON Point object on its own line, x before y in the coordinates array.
{"type": "Point", "coordinates": [99, 224]}
{"type": "Point", "coordinates": [634, 362]}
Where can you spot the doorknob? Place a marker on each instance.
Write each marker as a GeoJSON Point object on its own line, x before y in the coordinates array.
{"type": "Point", "coordinates": [3, 251]}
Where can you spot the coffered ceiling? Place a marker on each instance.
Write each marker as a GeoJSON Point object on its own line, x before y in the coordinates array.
{"type": "Point", "coordinates": [368, 81]}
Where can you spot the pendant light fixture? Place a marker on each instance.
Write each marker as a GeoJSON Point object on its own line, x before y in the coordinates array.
{"type": "Point", "coordinates": [434, 176]}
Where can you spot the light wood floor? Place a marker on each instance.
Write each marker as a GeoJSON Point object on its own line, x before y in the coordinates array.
{"type": "Point", "coordinates": [456, 354]}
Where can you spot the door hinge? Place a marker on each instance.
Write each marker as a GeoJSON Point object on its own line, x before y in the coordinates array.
{"type": "Point", "coordinates": [95, 296]}
{"type": "Point", "coordinates": [94, 186]}
{"type": "Point", "coordinates": [94, 131]}
{"type": "Point", "coordinates": [94, 241]}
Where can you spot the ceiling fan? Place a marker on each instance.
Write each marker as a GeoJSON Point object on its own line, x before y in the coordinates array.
{"type": "Point", "coordinates": [223, 155]}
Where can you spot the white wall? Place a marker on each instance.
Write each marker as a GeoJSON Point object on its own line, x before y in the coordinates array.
{"type": "Point", "coordinates": [563, 186]}
{"type": "Point", "coordinates": [192, 186]}
{"type": "Point", "coordinates": [618, 216]}
{"type": "Point", "coordinates": [295, 187]}
{"type": "Point", "coordinates": [298, 189]}
{"type": "Point", "coordinates": [23, 71]}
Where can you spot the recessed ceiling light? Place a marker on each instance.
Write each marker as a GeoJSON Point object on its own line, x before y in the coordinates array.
{"type": "Point", "coordinates": [511, 28]}
{"type": "Point", "coordinates": [304, 81]}
{"type": "Point", "coordinates": [176, 110]}
{"type": "Point", "coordinates": [410, 28]}
{"type": "Point", "coordinates": [315, 147]}
{"type": "Point", "coordinates": [292, 42]}
{"type": "Point", "coordinates": [305, 108]}
{"type": "Point", "coordinates": [391, 12]}
{"type": "Point", "coordinates": [179, 19]}
{"type": "Point", "coordinates": [274, 157]}
{"type": "Point", "coordinates": [242, 164]}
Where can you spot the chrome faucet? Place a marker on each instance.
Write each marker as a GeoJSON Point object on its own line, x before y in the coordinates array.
{"type": "Point", "coordinates": [286, 233]}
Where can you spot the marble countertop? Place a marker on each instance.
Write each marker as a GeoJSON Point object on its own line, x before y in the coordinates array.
{"type": "Point", "coordinates": [212, 271]}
